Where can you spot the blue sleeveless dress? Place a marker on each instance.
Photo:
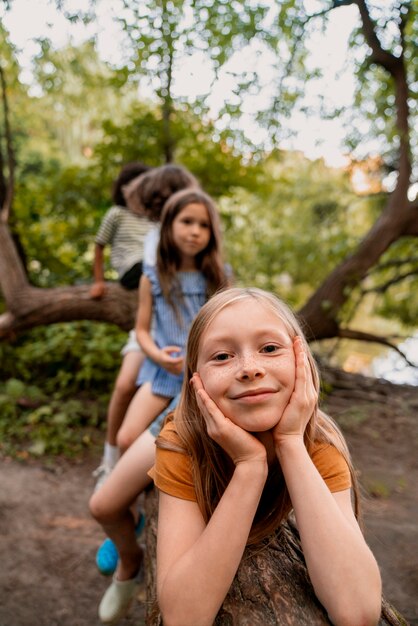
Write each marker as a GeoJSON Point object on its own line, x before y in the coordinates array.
{"type": "Point", "coordinates": [168, 330]}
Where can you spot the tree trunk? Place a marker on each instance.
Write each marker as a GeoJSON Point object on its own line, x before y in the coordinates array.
{"type": "Point", "coordinates": [271, 587]}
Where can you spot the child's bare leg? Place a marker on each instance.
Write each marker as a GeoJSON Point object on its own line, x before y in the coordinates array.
{"type": "Point", "coordinates": [111, 505]}
{"type": "Point", "coordinates": [123, 392]}
{"type": "Point", "coordinates": [143, 409]}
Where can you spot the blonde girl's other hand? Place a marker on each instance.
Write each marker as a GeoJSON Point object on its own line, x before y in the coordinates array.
{"type": "Point", "coordinates": [239, 444]}
{"type": "Point", "coordinates": [172, 359]}
{"type": "Point", "coordinates": [97, 290]}
{"type": "Point", "coordinates": [302, 402]}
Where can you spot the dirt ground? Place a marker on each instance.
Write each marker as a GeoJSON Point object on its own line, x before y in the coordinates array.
{"type": "Point", "coordinates": [48, 541]}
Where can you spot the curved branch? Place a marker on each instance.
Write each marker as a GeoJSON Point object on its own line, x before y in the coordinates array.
{"type": "Point", "coordinates": [30, 306]}
{"type": "Point", "coordinates": [393, 281]}
{"type": "Point", "coordinates": [394, 263]}
{"type": "Point", "coordinates": [379, 55]}
{"type": "Point", "coordinates": [347, 333]}
{"type": "Point", "coordinates": [398, 219]}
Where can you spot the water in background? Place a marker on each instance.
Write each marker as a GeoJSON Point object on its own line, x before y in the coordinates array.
{"type": "Point", "coordinates": [393, 367]}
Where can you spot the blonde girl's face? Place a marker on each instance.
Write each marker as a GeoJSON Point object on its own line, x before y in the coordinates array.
{"type": "Point", "coordinates": [192, 229]}
{"type": "Point", "coordinates": [247, 365]}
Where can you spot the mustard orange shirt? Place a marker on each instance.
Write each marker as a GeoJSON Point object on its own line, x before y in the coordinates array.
{"type": "Point", "coordinates": [172, 472]}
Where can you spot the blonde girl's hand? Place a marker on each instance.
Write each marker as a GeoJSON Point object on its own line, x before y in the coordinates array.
{"type": "Point", "coordinates": [169, 361]}
{"type": "Point", "coordinates": [302, 402]}
{"type": "Point", "coordinates": [239, 444]}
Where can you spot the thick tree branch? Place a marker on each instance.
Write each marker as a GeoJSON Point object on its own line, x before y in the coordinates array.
{"type": "Point", "coordinates": [321, 310]}
{"type": "Point", "coordinates": [30, 306]}
{"type": "Point", "coordinates": [37, 307]}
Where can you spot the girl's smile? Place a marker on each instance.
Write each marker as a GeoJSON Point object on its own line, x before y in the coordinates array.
{"type": "Point", "coordinates": [247, 364]}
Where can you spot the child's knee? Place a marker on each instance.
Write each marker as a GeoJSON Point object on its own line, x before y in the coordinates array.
{"type": "Point", "coordinates": [97, 510]}
{"type": "Point", "coordinates": [124, 439]}
{"type": "Point", "coordinates": [101, 509]}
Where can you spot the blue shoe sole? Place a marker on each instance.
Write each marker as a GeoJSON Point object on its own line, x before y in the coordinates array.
{"type": "Point", "coordinates": [107, 555]}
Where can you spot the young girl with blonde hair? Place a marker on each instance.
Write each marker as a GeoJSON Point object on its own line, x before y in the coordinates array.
{"type": "Point", "coordinates": [247, 445]}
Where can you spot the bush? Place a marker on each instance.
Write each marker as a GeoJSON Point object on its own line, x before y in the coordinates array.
{"type": "Point", "coordinates": [57, 385]}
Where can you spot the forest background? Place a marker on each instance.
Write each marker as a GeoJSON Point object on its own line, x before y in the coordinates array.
{"type": "Point", "coordinates": [235, 91]}
{"type": "Point", "coordinates": [337, 242]}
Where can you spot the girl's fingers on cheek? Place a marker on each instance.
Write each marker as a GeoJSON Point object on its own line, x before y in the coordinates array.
{"type": "Point", "coordinates": [196, 382]}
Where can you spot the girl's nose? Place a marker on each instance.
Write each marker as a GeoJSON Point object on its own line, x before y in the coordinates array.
{"type": "Point", "coordinates": [250, 369]}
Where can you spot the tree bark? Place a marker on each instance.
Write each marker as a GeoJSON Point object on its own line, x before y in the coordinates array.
{"type": "Point", "coordinates": [271, 587]}
{"type": "Point", "coordinates": [29, 306]}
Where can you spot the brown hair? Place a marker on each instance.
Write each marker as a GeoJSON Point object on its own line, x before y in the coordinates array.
{"type": "Point", "coordinates": [128, 172]}
{"type": "Point", "coordinates": [209, 261]}
{"type": "Point", "coordinates": [212, 468]}
{"type": "Point", "coordinates": [155, 187]}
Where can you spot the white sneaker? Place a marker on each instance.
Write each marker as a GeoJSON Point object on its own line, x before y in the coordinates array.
{"type": "Point", "coordinates": [101, 474]}
{"type": "Point", "coordinates": [118, 598]}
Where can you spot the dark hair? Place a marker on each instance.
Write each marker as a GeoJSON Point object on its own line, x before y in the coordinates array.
{"type": "Point", "coordinates": [127, 173]}
{"type": "Point", "coordinates": [209, 261]}
{"type": "Point", "coordinates": [159, 184]}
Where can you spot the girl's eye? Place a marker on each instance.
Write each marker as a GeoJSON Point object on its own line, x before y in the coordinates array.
{"type": "Point", "coordinates": [222, 356]}
{"type": "Point", "coordinates": [270, 348]}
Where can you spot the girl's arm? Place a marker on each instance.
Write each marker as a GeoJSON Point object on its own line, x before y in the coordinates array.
{"type": "Point", "coordinates": [98, 289]}
{"type": "Point", "coordinates": [162, 356]}
{"type": "Point", "coordinates": [196, 563]}
{"type": "Point", "coordinates": [341, 567]}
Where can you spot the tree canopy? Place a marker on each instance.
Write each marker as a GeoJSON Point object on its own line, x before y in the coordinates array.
{"type": "Point", "coordinates": [291, 225]}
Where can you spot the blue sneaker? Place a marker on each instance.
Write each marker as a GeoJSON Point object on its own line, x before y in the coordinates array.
{"type": "Point", "coordinates": [107, 555]}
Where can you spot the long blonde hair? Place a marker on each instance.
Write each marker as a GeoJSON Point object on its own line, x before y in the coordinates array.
{"type": "Point", "coordinates": [212, 467]}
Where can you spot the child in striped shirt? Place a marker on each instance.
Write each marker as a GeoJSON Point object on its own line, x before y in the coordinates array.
{"type": "Point", "coordinates": [125, 231]}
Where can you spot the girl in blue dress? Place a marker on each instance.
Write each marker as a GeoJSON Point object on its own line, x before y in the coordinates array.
{"type": "Point", "coordinates": [189, 270]}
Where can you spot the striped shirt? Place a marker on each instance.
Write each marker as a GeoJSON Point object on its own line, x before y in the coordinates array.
{"type": "Point", "coordinates": [125, 232]}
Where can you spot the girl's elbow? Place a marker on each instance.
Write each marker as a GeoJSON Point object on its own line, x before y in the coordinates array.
{"type": "Point", "coordinates": [181, 620]}
{"type": "Point", "coordinates": [356, 614]}
{"type": "Point", "coordinates": [174, 614]}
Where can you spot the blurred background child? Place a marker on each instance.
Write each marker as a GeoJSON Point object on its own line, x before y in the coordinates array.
{"type": "Point", "coordinates": [145, 195]}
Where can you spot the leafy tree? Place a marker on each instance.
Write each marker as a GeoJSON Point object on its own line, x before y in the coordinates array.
{"type": "Point", "coordinates": [283, 31]}
{"type": "Point", "coordinates": [161, 33]}
{"type": "Point", "coordinates": [79, 91]}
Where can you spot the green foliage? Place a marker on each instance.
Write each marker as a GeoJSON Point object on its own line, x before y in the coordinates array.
{"type": "Point", "coordinates": [396, 27]}
{"type": "Point", "coordinates": [211, 155]}
{"type": "Point", "coordinates": [395, 281]}
{"type": "Point", "coordinates": [56, 215]}
{"type": "Point", "coordinates": [78, 91]}
{"type": "Point", "coordinates": [302, 222]}
{"type": "Point", "coordinates": [57, 385]}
